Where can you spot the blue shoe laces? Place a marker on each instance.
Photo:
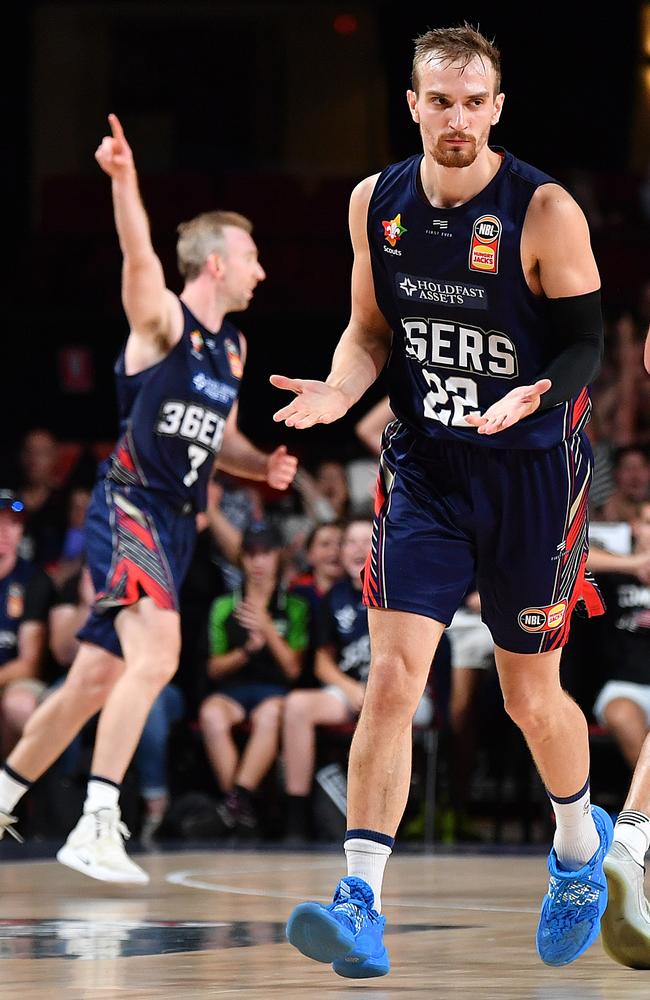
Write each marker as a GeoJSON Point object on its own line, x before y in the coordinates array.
{"type": "Point", "coordinates": [353, 899]}
{"type": "Point", "coordinates": [578, 900]}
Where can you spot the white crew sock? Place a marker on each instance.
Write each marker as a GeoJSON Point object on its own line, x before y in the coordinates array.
{"type": "Point", "coordinates": [11, 791]}
{"type": "Point", "coordinates": [101, 795]}
{"type": "Point", "coordinates": [633, 831]}
{"type": "Point", "coordinates": [576, 838]}
{"type": "Point", "coordinates": [367, 860]}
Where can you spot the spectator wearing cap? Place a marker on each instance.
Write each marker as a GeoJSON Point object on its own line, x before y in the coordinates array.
{"type": "Point", "coordinates": [257, 639]}
{"type": "Point", "coordinates": [26, 594]}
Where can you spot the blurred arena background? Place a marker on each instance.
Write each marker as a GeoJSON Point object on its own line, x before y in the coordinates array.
{"type": "Point", "coordinates": [275, 110]}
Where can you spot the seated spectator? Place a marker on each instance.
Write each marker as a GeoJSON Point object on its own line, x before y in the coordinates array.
{"type": "Point", "coordinates": [323, 555]}
{"type": "Point", "coordinates": [325, 495]}
{"type": "Point", "coordinates": [25, 597]}
{"type": "Point", "coordinates": [231, 509]}
{"type": "Point", "coordinates": [257, 641]}
{"type": "Point", "coordinates": [342, 665]}
{"type": "Point", "coordinates": [623, 705]}
{"type": "Point", "coordinates": [71, 608]}
{"type": "Point", "coordinates": [214, 570]}
{"type": "Point", "coordinates": [45, 501]}
{"type": "Point", "coordinates": [632, 478]}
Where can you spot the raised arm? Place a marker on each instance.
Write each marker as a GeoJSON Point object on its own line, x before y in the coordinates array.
{"type": "Point", "coordinates": [154, 313]}
{"type": "Point", "coordinates": [364, 345]}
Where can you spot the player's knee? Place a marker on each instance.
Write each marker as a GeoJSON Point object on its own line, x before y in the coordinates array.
{"type": "Point", "coordinates": [155, 669]}
{"type": "Point", "coordinates": [90, 688]}
{"type": "Point", "coordinates": [395, 688]}
{"type": "Point", "coordinates": [530, 711]}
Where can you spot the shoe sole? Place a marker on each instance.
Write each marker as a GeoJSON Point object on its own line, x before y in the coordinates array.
{"type": "Point", "coordinates": [623, 939]}
{"type": "Point", "coordinates": [354, 968]}
{"type": "Point", "coordinates": [317, 935]}
{"type": "Point", "coordinates": [66, 856]}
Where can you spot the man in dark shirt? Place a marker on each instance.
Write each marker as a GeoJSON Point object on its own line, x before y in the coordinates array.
{"type": "Point", "coordinates": [25, 598]}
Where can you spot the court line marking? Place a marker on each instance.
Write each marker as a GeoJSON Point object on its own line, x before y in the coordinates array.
{"type": "Point", "coordinates": [191, 879]}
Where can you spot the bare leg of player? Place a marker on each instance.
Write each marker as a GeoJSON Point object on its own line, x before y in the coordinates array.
{"type": "Point", "coordinates": [403, 646]}
{"type": "Point", "coordinates": [150, 640]}
{"type": "Point", "coordinates": [556, 732]}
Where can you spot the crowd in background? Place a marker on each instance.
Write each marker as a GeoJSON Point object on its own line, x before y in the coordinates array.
{"type": "Point", "coordinates": [275, 635]}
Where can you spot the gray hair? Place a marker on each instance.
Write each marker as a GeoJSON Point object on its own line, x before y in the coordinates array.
{"type": "Point", "coordinates": [204, 235]}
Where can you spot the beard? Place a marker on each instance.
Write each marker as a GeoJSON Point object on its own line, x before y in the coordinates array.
{"type": "Point", "coordinates": [464, 156]}
{"type": "Point", "coordinates": [447, 156]}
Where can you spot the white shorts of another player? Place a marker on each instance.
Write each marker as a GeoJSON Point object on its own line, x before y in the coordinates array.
{"type": "Point", "coordinates": [471, 642]}
{"type": "Point", "coordinates": [638, 693]}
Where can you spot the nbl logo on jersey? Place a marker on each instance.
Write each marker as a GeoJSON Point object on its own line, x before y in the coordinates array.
{"type": "Point", "coordinates": [484, 247]}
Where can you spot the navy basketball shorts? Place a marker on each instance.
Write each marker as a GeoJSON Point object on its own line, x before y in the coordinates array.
{"type": "Point", "coordinates": [137, 545]}
{"type": "Point", "coordinates": [515, 520]}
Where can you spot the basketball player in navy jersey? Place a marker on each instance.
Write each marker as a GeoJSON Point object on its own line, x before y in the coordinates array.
{"type": "Point", "coordinates": [475, 284]}
{"type": "Point", "coordinates": [178, 381]}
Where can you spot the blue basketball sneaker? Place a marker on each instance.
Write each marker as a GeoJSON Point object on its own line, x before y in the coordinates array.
{"type": "Point", "coordinates": [348, 933]}
{"type": "Point", "coordinates": [575, 902]}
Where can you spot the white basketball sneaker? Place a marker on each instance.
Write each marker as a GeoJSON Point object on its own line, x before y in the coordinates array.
{"type": "Point", "coordinates": [6, 826]}
{"type": "Point", "coordinates": [96, 848]}
{"type": "Point", "coordinates": [625, 926]}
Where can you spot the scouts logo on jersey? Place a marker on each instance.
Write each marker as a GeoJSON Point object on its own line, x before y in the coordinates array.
{"type": "Point", "coordinates": [234, 359]}
{"type": "Point", "coordinates": [15, 601]}
{"type": "Point", "coordinates": [484, 249]}
{"type": "Point", "coordinates": [196, 337]}
{"type": "Point", "coordinates": [543, 619]}
{"type": "Point", "coordinates": [393, 229]}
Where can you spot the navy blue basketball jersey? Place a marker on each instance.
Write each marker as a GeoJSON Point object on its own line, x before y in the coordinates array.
{"type": "Point", "coordinates": [344, 626]}
{"type": "Point", "coordinates": [173, 415]}
{"type": "Point", "coordinates": [466, 327]}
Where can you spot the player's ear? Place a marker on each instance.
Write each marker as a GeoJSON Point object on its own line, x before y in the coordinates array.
{"type": "Point", "coordinates": [498, 106]}
{"type": "Point", "coordinates": [412, 99]}
{"type": "Point", "coordinates": [215, 265]}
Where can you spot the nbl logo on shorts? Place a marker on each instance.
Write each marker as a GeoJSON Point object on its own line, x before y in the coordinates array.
{"type": "Point", "coordinates": [542, 619]}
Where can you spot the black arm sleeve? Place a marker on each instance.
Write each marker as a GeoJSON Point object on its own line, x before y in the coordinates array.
{"type": "Point", "coordinates": [577, 324]}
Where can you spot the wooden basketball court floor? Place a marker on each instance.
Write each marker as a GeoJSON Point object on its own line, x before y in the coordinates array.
{"type": "Point", "coordinates": [211, 924]}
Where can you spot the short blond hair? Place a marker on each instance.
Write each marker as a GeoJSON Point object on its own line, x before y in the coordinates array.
{"type": "Point", "coordinates": [204, 235]}
{"type": "Point", "coordinates": [457, 47]}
